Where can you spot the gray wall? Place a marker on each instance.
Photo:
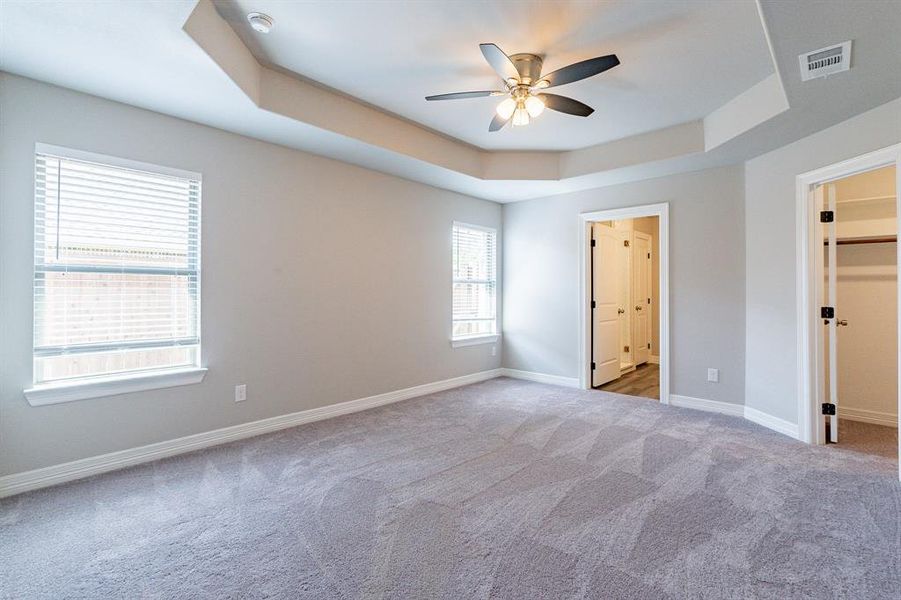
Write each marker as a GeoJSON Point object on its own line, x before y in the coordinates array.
{"type": "Point", "coordinates": [707, 247]}
{"type": "Point", "coordinates": [322, 282]}
{"type": "Point", "coordinates": [770, 220]}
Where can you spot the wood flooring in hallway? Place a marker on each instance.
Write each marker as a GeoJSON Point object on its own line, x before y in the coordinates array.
{"type": "Point", "coordinates": [643, 381]}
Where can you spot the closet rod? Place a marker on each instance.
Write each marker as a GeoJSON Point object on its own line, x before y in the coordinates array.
{"type": "Point", "coordinates": [889, 239]}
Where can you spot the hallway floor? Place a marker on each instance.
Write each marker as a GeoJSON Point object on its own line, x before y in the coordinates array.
{"type": "Point", "coordinates": [643, 381]}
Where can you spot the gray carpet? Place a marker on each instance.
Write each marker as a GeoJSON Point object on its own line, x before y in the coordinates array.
{"type": "Point", "coordinates": [504, 489]}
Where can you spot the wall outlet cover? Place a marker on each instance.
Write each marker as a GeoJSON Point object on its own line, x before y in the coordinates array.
{"type": "Point", "coordinates": [240, 393]}
{"type": "Point", "coordinates": [713, 375]}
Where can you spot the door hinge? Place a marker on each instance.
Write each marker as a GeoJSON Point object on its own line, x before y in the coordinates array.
{"type": "Point", "coordinates": [626, 243]}
{"type": "Point", "coordinates": [649, 256]}
{"type": "Point", "coordinates": [625, 348]}
{"type": "Point", "coordinates": [827, 216]}
{"type": "Point", "coordinates": [593, 305]}
{"type": "Point", "coordinates": [592, 366]}
{"type": "Point", "coordinates": [649, 300]}
{"type": "Point", "coordinates": [593, 244]}
{"type": "Point", "coordinates": [828, 408]}
{"type": "Point", "coordinates": [649, 345]}
{"type": "Point", "coordinates": [827, 312]}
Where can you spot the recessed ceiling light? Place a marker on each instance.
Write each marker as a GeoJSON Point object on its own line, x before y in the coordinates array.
{"type": "Point", "coordinates": [260, 22]}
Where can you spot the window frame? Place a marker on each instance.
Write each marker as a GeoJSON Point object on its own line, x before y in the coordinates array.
{"type": "Point", "coordinates": [93, 386]}
{"type": "Point", "coordinates": [481, 338]}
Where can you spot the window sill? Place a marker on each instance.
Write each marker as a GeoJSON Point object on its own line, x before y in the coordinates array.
{"type": "Point", "coordinates": [98, 387]}
{"type": "Point", "coordinates": [476, 340]}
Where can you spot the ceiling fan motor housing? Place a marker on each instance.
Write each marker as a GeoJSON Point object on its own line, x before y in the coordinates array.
{"type": "Point", "coordinates": [528, 66]}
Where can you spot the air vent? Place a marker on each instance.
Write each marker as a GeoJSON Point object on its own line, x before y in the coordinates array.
{"type": "Point", "coordinates": [825, 61]}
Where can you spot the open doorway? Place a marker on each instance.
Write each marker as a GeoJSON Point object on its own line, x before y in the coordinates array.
{"type": "Point", "coordinates": [860, 285]}
{"type": "Point", "coordinates": [624, 258]}
{"type": "Point", "coordinates": [625, 308]}
{"type": "Point", "coordinates": [848, 311]}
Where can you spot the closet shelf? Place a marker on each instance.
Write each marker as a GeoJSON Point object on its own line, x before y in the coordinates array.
{"type": "Point", "coordinates": [875, 239]}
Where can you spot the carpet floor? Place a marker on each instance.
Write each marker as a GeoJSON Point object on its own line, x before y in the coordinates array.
{"type": "Point", "coordinates": [868, 438]}
{"type": "Point", "coordinates": [503, 489]}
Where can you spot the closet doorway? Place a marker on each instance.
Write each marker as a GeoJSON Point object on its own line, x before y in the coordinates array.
{"type": "Point", "coordinates": [625, 311]}
{"type": "Point", "coordinates": [860, 283]}
{"type": "Point", "coordinates": [848, 309]}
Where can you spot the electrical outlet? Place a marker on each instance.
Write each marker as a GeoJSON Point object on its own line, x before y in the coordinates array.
{"type": "Point", "coordinates": [240, 393]}
{"type": "Point", "coordinates": [493, 350]}
{"type": "Point", "coordinates": [713, 375]}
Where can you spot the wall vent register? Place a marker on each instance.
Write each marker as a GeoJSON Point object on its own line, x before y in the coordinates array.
{"type": "Point", "coordinates": [825, 61]}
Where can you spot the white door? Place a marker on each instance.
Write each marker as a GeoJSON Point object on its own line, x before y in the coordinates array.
{"type": "Point", "coordinates": [624, 297]}
{"type": "Point", "coordinates": [832, 323]}
{"type": "Point", "coordinates": [641, 297]}
{"type": "Point", "coordinates": [604, 316]}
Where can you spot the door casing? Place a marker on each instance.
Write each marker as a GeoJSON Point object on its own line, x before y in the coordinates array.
{"type": "Point", "coordinates": [809, 269]}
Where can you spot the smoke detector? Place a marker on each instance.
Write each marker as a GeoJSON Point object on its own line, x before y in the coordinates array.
{"type": "Point", "coordinates": [825, 61]}
{"type": "Point", "coordinates": [260, 22]}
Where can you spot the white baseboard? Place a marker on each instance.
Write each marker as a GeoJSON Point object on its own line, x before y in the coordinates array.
{"type": "Point", "coordinates": [654, 360]}
{"type": "Point", "coordinates": [47, 476]}
{"type": "Point", "coordinates": [737, 410]}
{"type": "Point", "coordinates": [775, 423]}
{"type": "Point", "coordinates": [541, 377]}
{"type": "Point", "coordinates": [868, 416]}
{"type": "Point", "coordinates": [725, 408]}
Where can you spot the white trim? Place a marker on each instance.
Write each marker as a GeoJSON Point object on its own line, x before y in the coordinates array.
{"type": "Point", "coordinates": [585, 219]}
{"type": "Point", "coordinates": [868, 416]}
{"type": "Point", "coordinates": [572, 382]}
{"type": "Point", "coordinates": [654, 360]}
{"type": "Point", "coordinates": [723, 408]}
{"type": "Point", "coordinates": [775, 423]}
{"type": "Point", "coordinates": [475, 340]}
{"type": "Point", "coordinates": [737, 410]}
{"type": "Point", "coordinates": [47, 476]}
{"type": "Point", "coordinates": [810, 332]}
{"type": "Point", "coordinates": [70, 390]}
{"type": "Point", "coordinates": [114, 161]}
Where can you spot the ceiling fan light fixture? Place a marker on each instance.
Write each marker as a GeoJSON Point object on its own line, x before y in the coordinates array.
{"type": "Point", "coordinates": [506, 108]}
{"type": "Point", "coordinates": [520, 115]}
{"type": "Point", "coordinates": [534, 106]}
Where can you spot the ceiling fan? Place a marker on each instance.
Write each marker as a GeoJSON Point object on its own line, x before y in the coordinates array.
{"type": "Point", "coordinates": [521, 74]}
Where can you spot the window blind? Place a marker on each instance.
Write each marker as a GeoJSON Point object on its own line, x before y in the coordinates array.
{"type": "Point", "coordinates": [116, 269]}
{"type": "Point", "coordinates": [474, 303]}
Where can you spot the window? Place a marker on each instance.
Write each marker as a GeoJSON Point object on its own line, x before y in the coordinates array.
{"type": "Point", "coordinates": [475, 283]}
{"type": "Point", "coordinates": [116, 267]}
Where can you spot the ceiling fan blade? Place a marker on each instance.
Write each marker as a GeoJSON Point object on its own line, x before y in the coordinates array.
{"type": "Point", "coordinates": [497, 123]}
{"type": "Point", "coordinates": [459, 95]}
{"type": "Point", "coordinates": [580, 70]}
{"type": "Point", "coordinates": [499, 61]}
{"type": "Point", "coordinates": [566, 105]}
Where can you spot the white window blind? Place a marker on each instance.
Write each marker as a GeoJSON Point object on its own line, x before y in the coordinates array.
{"type": "Point", "coordinates": [475, 307]}
{"type": "Point", "coordinates": [116, 268]}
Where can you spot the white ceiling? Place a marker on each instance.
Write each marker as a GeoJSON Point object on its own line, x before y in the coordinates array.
{"type": "Point", "coordinates": [140, 53]}
{"type": "Point", "coordinates": [681, 59]}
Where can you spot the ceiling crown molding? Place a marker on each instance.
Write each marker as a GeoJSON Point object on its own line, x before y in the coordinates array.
{"type": "Point", "coordinates": [362, 134]}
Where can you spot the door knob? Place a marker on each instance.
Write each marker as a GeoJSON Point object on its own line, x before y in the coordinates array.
{"type": "Point", "coordinates": [842, 323]}
{"type": "Point", "coordinates": [620, 311]}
